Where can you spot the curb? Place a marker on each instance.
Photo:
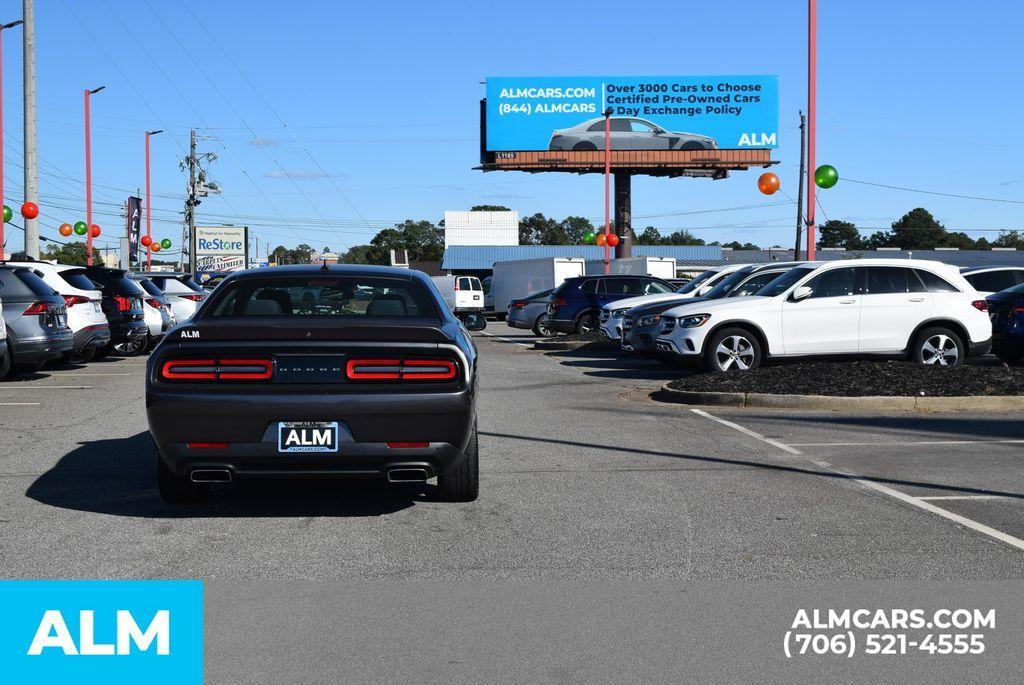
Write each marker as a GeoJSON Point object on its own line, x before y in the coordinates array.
{"type": "Point", "coordinates": [560, 345]}
{"type": "Point", "coordinates": [870, 403]}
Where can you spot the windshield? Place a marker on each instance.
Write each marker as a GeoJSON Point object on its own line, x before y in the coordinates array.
{"type": "Point", "coordinates": [696, 282]}
{"type": "Point", "coordinates": [784, 281]}
{"type": "Point", "coordinates": [323, 296]}
{"type": "Point", "coordinates": [725, 286]}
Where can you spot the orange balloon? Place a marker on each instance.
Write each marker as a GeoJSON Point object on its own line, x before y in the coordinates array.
{"type": "Point", "coordinates": [155, 247]}
{"type": "Point", "coordinates": [65, 230]}
{"type": "Point", "coordinates": [768, 183]}
{"type": "Point", "coordinates": [600, 239]}
{"type": "Point", "coordinates": [612, 240]}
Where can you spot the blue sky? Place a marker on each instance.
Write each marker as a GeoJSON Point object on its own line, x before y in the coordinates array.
{"type": "Point", "coordinates": [384, 97]}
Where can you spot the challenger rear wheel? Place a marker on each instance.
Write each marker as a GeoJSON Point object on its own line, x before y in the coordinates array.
{"type": "Point", "coordinates": [175, 489]}
{"type": "Point", "coordinates": [463, 484]}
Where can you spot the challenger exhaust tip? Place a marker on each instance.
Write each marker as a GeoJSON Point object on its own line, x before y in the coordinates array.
{"type": "Point", "coordinates": [210, 476]}
{"type": "Point", "coordinates": [408, 475]}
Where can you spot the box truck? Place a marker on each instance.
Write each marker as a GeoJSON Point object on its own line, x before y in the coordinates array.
{"type": "Point", "coordinates": [464, 294]}
{"type": "Point", "coordinates": [512, 280]}
{"type": "Point", "coordinates": [659, 267]}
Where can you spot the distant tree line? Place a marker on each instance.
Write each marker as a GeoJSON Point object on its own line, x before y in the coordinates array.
{"type": "Point", "coordinates": [915, 230]}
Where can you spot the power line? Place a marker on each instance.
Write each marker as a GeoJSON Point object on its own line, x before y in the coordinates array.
{"type": "Point", "coordinates": [933, 192]}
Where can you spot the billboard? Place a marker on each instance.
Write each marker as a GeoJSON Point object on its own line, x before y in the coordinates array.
{"type": "Point", "coordinates": [647, 112]}
{"type": "Point", "coordinates": [134, 228]}
{"type": "Point", "coordinates": [221, 248]}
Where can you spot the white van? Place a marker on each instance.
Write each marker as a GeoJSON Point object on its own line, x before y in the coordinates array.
{"type": "Point", "coordinates": [464, 294]}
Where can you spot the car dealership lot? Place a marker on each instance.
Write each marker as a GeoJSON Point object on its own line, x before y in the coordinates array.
{"type": "Point", "coordinates": [583, 476]}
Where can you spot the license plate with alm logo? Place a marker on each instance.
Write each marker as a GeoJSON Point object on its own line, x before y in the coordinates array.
{"type": "Point", "coordinates": [307, 436]}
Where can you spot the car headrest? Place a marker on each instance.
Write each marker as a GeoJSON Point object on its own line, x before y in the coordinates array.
{"type": "Point", "coordinates": [386, 305]}
{"type": "Point", "coordinates": [279, 296]}
{"type": "Point", "coordinates": [263, 307]}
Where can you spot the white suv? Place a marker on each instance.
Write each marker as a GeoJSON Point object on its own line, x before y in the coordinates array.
{"type": "Point", "coordinates": [85, 314]}
{"type": "Point", "coordinates": [922, 309]}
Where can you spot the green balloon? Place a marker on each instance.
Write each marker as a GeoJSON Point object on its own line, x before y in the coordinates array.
{"type": "Point", "coordinates": [7, 214]}
{"type": "Point", "coordinates": [165, 243]}
{"type": "Point", "coordinates": [80, 228]}
{"type": "Point", "coordinates": [826, 176]}
{"type": "Point", "coordinates": [589, 237]}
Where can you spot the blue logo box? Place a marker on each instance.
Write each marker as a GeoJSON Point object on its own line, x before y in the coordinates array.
{"type": "Point", "coordinates": [99, 631]}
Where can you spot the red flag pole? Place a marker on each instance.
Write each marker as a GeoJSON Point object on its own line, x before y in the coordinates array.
{"type": "Point", "coordinates": [812, 78]}
{"type": "Point", "coordinates": [607, 187]}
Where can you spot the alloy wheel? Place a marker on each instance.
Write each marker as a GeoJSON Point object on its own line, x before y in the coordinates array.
{"type": "Point", "coordinates": [734, 350]}
{"type": "Point", "coordinates": [940, 350]}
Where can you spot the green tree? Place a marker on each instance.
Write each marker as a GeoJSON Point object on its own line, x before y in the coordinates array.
{"type": "Point", "coordinates": [489, 208]}
{"type": "Point", "coordinates": [917, 230]}
{"type": "Point", "coordinates": [540, 230]}
{"type": "Point", "coordinates": [649, 236]}
{"type": "Point", "coordinates": [1013, 239]}
{"type": "Point", "coordinates": [574, 227]}
{"type": "Point", "coordinates": [983, 244]}
{"type": "Point", "coordinates": [681, 237]}
{"type": "Point", "coordinates": [836, 233]}
{"type": "Point", "coordinates": [737, 245]}
{"type": "Point", "coordinates": [71, 253]}
{"type": "Point", "coordinates": [961, 240]}
{"type": "Point", "coordinates": [357, 254]}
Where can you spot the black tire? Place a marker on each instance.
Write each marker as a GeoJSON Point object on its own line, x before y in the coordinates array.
{"type": "Point", "coordinates": [83, 356]}
{"type": "Point", "coordinates": [732, 349]}
{"type": "Point", "coordinates": [131, 348]}
{"type": "Point", "coordinates": [938, 346]}
{"type": "Point", "coordinates": [584, 147]}
{"type": "Point", "coordinates": [102, 352]}
{"type": "Point", "coordinates": [60, 361]}
{"type": "Point", "coordinates": [463, 484]}
{"type": "Point", "coordinates": [5, 360]}
{"type": "Point", "coordinates": [175, 489]}
{"type": "Point", "coordinates": [587, 323]}
{"type": "Point", "coordinates": [541, 327]}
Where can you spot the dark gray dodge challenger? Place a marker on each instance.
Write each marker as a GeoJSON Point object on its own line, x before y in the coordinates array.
{"type": "Point", "coordinates": [316, 371]}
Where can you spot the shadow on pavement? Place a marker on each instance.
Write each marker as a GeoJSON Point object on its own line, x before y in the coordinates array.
{"type": "Point", "coordinates": [746, 463]}
{"type": "Point", "coordinates": [995, 426]}
{"type": "Point", "coordinates": [117, 477]}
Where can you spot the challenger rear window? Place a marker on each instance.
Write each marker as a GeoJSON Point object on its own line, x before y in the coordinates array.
{"type": "Point", "coordinates": [358, 297]}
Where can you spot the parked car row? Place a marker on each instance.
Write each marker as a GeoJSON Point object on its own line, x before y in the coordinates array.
{"type": "Point", "coordinates": [734, 318]}
{"type": "Point", "coordinates": [64, 313]}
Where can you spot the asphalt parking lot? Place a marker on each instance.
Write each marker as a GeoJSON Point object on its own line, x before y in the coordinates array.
{"type": "Point", "coordinates": [583, 476]}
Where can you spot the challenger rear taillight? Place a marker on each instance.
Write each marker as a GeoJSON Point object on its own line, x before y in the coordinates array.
{"type": "Point", "coordinates": [373, 369]}
{"type": "Point", "coordinates": [208, 445]}
{"type": "Point", "coordinates": [980, 305]}
{"type": "Point", "coordinates": [223, 369]}
{"type": "Point", "coordinates": [407, 445]}
{"type": "Point", "coordinates": [123, 303]}
{"type": "Point", "coordinates": [194, 298]}
{"type": "Point", "coordinates": [154, 303]}
{"type": "Point", "coordinates": [72, 300]}
{"type": "Point", "coordinates": [1019, 310]}
{"type": "Point", "coordinates": [39, 309]}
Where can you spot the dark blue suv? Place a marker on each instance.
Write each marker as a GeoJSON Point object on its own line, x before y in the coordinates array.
{"type": "Point", "coordinates": [1006, 309]}
{"type": "Point", "coordinates": [575, 305]}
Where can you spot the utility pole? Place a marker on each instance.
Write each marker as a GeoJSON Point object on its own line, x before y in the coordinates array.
{"type": "Point", "coordinates": [800, 188]}
{"type": "Point", "coordinates": [31, 173]}
{"type": "Point", "coordinates": [190, 204]}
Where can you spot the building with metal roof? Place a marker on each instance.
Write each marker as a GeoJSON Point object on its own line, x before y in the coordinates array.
{"type": "Point", "coordinates": [952, 256]}
{"type": "Point", "coordinates": [483, 257]}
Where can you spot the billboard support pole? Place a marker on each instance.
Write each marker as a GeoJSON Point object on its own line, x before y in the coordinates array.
{"type": "Point", "coordinates": [812, 78]}
{"type": "Point", "coordinates": [624, 214]}
{"type": "Point", "coordinates": [607, 186]}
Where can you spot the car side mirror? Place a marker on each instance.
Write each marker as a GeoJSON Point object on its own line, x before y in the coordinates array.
{"type": "Point", "coordinates": [474, 322]}
{"type": "Point", "coordinates": [802, 293]}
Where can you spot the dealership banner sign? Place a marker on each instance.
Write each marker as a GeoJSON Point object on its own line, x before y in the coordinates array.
{"type": "Point", "coordinates": [647, 112]}
{"type": "Point", "coordinates": [221, 248]}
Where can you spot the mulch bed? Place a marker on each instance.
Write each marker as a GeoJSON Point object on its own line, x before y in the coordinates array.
{"type": "Point", "coordinates": [862, 379]}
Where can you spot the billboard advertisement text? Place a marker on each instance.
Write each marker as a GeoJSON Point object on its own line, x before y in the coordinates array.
{"type": "Point", "coordinates": [647, 112]}
{"type": "Point", "coordinates": [221, 248]}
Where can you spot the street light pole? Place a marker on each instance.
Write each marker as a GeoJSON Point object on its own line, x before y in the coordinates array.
{"type": "Point", "coordinates": [31, 176]}
{"type": "Point", "coordinates": [607, 187]}
{"type": "Point", "coordinates": [812, 79]}
{"type": "Point", "coordinates": [149, 248]}
{"type": "Point", "coordinates": [2, 220]}
{"type": "Point", "coordinates": [88, 178]}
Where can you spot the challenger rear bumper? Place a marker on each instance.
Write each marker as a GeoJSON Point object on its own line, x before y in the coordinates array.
{"type": "Point", "coordinates": [245, 421]}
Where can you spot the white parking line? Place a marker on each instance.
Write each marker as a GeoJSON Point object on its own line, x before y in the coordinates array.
{"type": "Point", "coordinates": [747, 431]}
{"type": "Point", "coordinates": [19, 404]}
{"type": "Point", "coordinates": [904, 443]}
{"type": "Point", "coordinates": [47, 387]}
{"type": "Point", "coordinates": [921, 503]}
{"type": "Point", "coordinates": [967, 497]}
{"type": "Point", "coordinates": [498, 337]}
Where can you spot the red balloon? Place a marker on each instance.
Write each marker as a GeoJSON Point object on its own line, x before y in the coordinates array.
{"type": "Point", "coordinates": [601, 238]}
{"type": "Point", "coordinates": [65, 230]}
{"type": "Point", "coordinates": [95, 231]}
{"type": "Point", "coordinates": [30, 210]}
{"type": "Point", "coordinates": [612, 240]}
{"type": "Point", "coordinates": [155, 247]}
{"type": "Point", "coordinates": [768, 183]}
{"type": "Point", "coordinates": [146, 241]}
